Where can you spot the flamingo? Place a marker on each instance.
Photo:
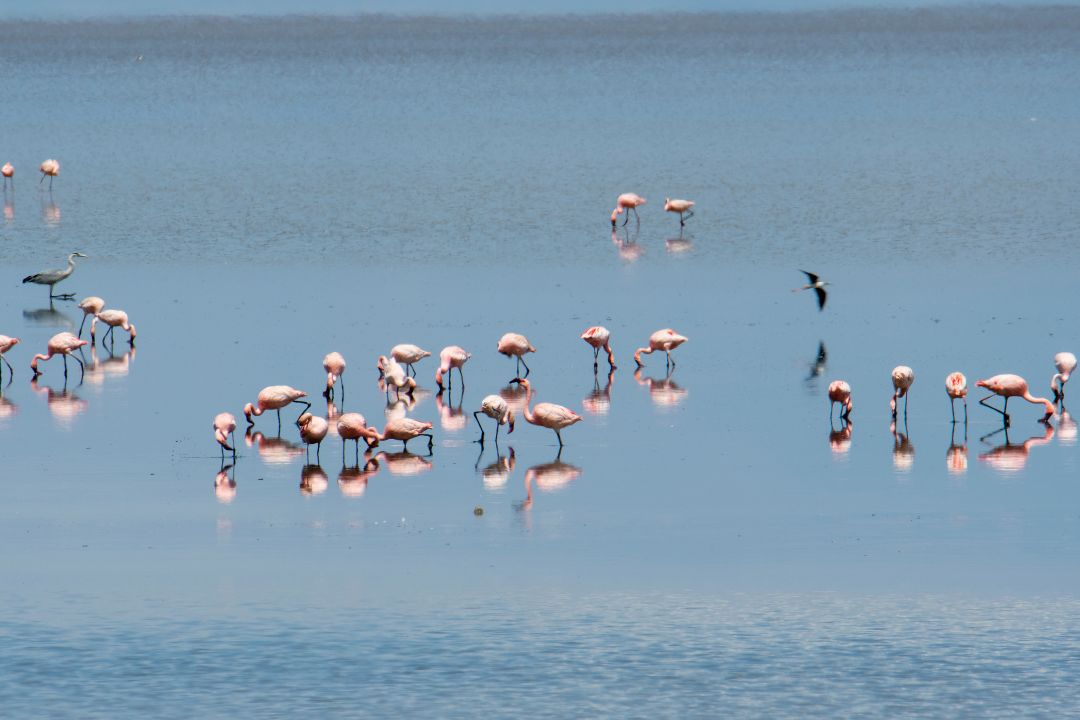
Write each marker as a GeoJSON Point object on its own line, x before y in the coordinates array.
{"type": "Point", "coordinates": [90, 306]}
{"type": "Point", "coordinates": [451, 357]}
{"type": "Point", "coordinates": [50, 168]}
{"type": "Point", "coordinates": [1008, 386]}
{"type": "Point", "coordinates": [6, 343]}
{"type": "Point", "coordinates": [549, 415]}
{"type": "Point", "coordinates": [313, 431]}
{"type": "Point", "coordinates": [334, 364]}
{"type": "Point", "coordinates": [840, 392]}
{"type": "Point", "coordinates": [63, 344]}
{"type": "Point", "coordinates": [818, 286]}
{"type": "Point", "coordinates": [353, 426]}
{"type": "Point", "coordinates": [114, 319]}
{"type": "Point", "coordinates": [275, 397]}
{"type": "Point", "coordinates": [956, 389]}
{"type": "Point", "coordinates": [8, 171]}
{"type": "Point", "coordinates": [902, 378]}
{"type": "Point", "coordinates": [496, 408]}
{"type": "Point", "coordinates": [516, 345]}
{"type": "Point", "coordinates": [1065, 363]}
{"type": "Point", "coordinates": [627, 202]}
{"type": "Point", "coordinates": [666, 340]}
{"type": "Point", "coordinates": [396, 376]}
{"type": "Point", "coordinates": [405, 429]}
{"type": "Point", "coordinates": [224, 428]}
{"type": "Point", "coordinates": [680, 206]}
{"type": "Point", "coordinates": [599, 337]}
{"type": "Point", "coordinates": [407, 354]}
{"type": "Point", "coordinates": [51, 277]}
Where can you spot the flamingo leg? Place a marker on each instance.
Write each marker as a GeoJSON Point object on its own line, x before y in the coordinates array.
{"type": "Point", "coordinates": [965, 413]}
{"type": "Point", "coordinates": [476, 416]}
{"type": "Point", "coordinates": [1003, 414]}
{"type": "Point", "coordinates": [559, 436]}
{"type": "Point", "coordinates": [461, 375]}
{"type": "Point", "coordinates": [11, 370]}
{"type": "Point", "coordinates": [627, 218]}
{"type": "Point", "coordinates": [636, 216]}
{"type": "Point", "coordinates": [832, 404]}
{"type": "Point", "coordinates": [318, 452]}
{"type": "Point", "coordinates": [342, 381]}
{"type": "Point", "coordinates": [279, 422]}
{"type": "Point", "coordinates": [526, 367]}
{"type": "Point", "coordinates": [82, 325]}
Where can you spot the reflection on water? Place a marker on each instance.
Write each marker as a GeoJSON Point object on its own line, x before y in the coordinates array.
{"type": "Point", "coordinates": [956, 457]}
{"type": "Point", "coordinates": [313, 480]}
{"type": "Point", "coordinates": [7, 407]}
{"type": "Point", "coordinates": [548, 477]}
{"type": "Point", "coordinates": [451, 417]}
{"type": "Point", "coordinates": [400, 406]}
{"type": "Point", "coordinates": [9, 205]}
{"type": "Point", "coordinates": [629, 249]}
{"type": "Point", "coordinates": [64, 405]}
{"type": "Point", "coordinates": [112, 366]}
{"type": "Point", "coordinates": [665, 393]}
{"type": "Point", "coordinates": [49, 317]}
{"type": "Point", "coordinates": [404, 463]}
{"type": "Point", "coordinates": [817, 368]}
{"type": "Point", "coordinates": [272, 450]}
{"type": "Point", "coordinates": [903, 454]}
{"type": "Point", "coordinates": [840, 439]}
{"type": "Point", "coordinates": [50, 211]}
{"type": "Point", "coordinates": [1066, 429]}
{"type": "Point", "coordinates": [515, 396]}
{"type": "Point", "coordinates": [598, 402]}
{"type": "Point", "coordinates": [225, 485]}
{"type": "Point", "coordinates": [1011, 457]}
{"type": "Point", "coordinates": [353, 481]}
{"type": "Point", "coordinates": [498, 472]}
{"type": "Point", "coordinates": [678, 246]}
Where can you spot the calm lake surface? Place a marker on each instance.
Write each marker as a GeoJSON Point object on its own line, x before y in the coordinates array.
{"type": "Point", "coordinates": [259, 192]}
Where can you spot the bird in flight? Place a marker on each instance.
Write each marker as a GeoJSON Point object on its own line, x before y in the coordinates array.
{"type": "Point", "coordinates": [817, 286]}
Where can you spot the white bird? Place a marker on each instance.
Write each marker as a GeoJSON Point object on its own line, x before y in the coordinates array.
{"type": "Point", "coordinates": [50, 168]}
{"type": "Point", "coordinates": [407, 354]}
{"type": "Point", "coordinates": [681, 207]}
{"type": "Point", "coordinates": [1065, 363]}
{"type": "Point", "coordinates": [51, 277]}
{"type": "Point", "coordinates": [496, 408]}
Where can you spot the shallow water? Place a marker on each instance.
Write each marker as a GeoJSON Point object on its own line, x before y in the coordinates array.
{"type": "Point", "coordinates": [257, 193]}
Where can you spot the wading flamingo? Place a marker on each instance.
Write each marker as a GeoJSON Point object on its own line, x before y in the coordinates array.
{"type": "Point", "coordinates": [90, 306]}
{"type": "Point", "coordinates": [224, 427]}
{"type": "Point", "coordinates": [680, 206]}
{"type": "Point", "coordinates": [549, 415]}
{"type": "Point", "coordinates": [407, 354]}
{"type": "Point", "coordinates": [313, 431]}
{"type": "Point", "coordinates": [405, 429]}
{"type": "Point", "coordinates": [334, 364]}
{"type": "Point", "coordinates": [6, 343]}
{"type": "Point", "coordinates": [353, 426]}
{"type": "Point", "coordinates": [51, 168]}
{"type": "Point", "coordinates": [275, 397]}
{"type": "Point", "coordinates": [451, 357]}
{"type": "Point", "coordinates": [396, 376]}
{"type": "Point", "coordinates": [51, 277]}
{"type": "Point", "coordinates": [665, 340]}
{"type": "Point", "coordinates": [902, 378]}
{"type": "Point", "coordinates": [818, 286]}
{"type": "Point", "coordinates": [8, 171]}
{"type": "Point", "coordinates": [627, 202]}
{"type": "Point", "coordinates": [1008, 386]}
{"type": "Point", "coordinates": [496, 408]}
{"type": "Point", "coordinates": [114, 319]}
{"type": "Point", "coordinates": [956, 389]}
{"type": "Point", "coordinates": [840, 392]}
{"type": "Point", "coordinates": [515, 345]}
{"type": "Point", "coordinates": [600, 338]}
{"type": "Point", "coordinates": [1065, 363]}
{"type": "Point", "coordinates": [61, 344]}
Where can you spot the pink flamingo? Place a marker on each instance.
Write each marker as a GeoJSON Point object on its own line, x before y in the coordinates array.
{"type": "Point", "coordinates": [8, 171]}
{"type": "Point", "coordinates": [6, 343]}
{"type": "Point", "coordinates": [1065, 362]}
{"type": "Point", "coordinates": [451, 357]}
{"type": "Point", "coordinates": [275, 397]}
{"type": "Point", "coordinates": [516, 345]}
{"type": "Point", "coordinates": [681, 207]}
{"type": "Point", "coordinates": [63, 344]}
{"type": "Point", "coordinates": [599, 337]}
{"type": "Point", "coordinates": [496, 408]}
{"type": "Point", "coordinates": [840, 392]}
{"type": "Point", "coordinates": [405, 429]}
{"type": "Point", "coordinates": [224, 428]}
{"type": "Point", "coordinates": [627, 202]}
{"type": "Point", "coordinates": [114, 319]}
{"type": "Point", "coordinates": [956, 389]}
{"type": "Point", "coordinates": [407, 354]}
{"type": "Point", "coordinates": [665, 340]}
{"type": "Point", "coordinates": [396, 376]}
{"type": "Point", "coordinates": [51, 168]}
{"type": "Point", "coordinates": [1008, 386]}
{"type": "Point", "coordinates": [90, 306]}
{"type": "Point", "coordinates": [549, 415]}
{"type": "Point", "coordinates": [353, 426]}
{"type": "Point", "coordinates": [313, 431]}
{"type": "Point", "coordinates": [334, 364]}
{"type": "Point", "coordinates": [902, 378]}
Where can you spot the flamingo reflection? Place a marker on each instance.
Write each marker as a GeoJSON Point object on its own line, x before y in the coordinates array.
{"type": "Point", "coordinates": [903, 454]}
{"type": "Point", "coordinates": [840, 440]}
{"type": "Point", "coordinates": [1011, 457]}
{"type": "Point", "coordinates": [64, 405]}
{"type": "Point", "coordinates": [629, 250]}
{"type": "Point", "coordinates": [313, 480]}
{"type": "Point", "coordinates": [404, 463]}
{"type": "Point", "coordinates": [956, 457]}
{"type": "Point", "coordinates": [451, 418]}
{"type": "Point", "coordinates": [548, 477]}
{"type": "Point", "coordinates": [353, 481]}
{"type": "Point", "coordinates": [112, 366]}
{"type": "Point", "coordinates": [225, 486]}
{"type": "Point", "coordinates": [496, 474]}
{"type": "Point", "coordinates": [272, 450]}
{"type": "Point", "coordinates": [399, 407]}
{"type": "Point", "coordinates": [664, 393]}
{"type": "Point", "coordinates": [7, 408]}
{"type": "Point", "coordinates": [50, 211]}
{"type": "Point", "coordinates": [678, 246]}
{"type": "Point", "coordinates": [9, 207]}
{"type": "Point", "coordinates": [598, 402]}
{"type": "Point", "coordinates": [1066, 429]}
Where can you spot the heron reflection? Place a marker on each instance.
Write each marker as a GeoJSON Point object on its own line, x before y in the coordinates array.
{"type": "Point", "coordinates": [272, 450]}
{"type": "Point", "coordinates": [49, 317]}
{"type": "Point", "coordinates": [664, 393]}
{"type": "Point", "coordinates": [1011, 457]}
{"type": "Point", "coordinates": [225, 485]}
{"type": "Point", "coordinates": [598, 402]}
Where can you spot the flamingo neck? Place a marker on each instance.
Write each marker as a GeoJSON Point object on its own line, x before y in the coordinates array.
{"type": "Point", "coordinates": [639, 352]}
{"type": "Point", "coordinates": [33, 363]}
{"type": "Point", "coordinates": [527, 411]}
{"type": "Point", "coordinates": [1036, 400]}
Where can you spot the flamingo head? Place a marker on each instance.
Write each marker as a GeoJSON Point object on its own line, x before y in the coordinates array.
{"type": "Point", "coordinates": [303, 419]}
{"type": "Point", "coordinates": [510, 420]}
{"type": "Point", "coordinates": [249, 410]}
{"type": "Point", "coordinates": [614, 214]}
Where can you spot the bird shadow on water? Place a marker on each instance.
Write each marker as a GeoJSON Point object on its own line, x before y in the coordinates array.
{"type": "Point", "coordinates": [49, 317]}
{"type": "Point", "coordinates": [1011, 457]}
{"type": "Point", "coordinates": [817, 368]}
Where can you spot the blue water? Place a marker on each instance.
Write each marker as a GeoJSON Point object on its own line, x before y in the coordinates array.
{"type": "Point", "coordinates": [258, 192]}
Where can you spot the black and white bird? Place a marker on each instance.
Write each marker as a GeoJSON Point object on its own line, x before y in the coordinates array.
{"type": "Point", "coordinates": [817, 286]}
{"type": "Point", "coordinates": [51, 277]}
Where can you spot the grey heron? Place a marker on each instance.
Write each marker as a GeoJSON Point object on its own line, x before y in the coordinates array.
{"type": "Point", "coordinates": [51, 277]}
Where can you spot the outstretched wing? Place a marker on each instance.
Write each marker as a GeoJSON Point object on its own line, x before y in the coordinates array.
{"type": "Point", "coordinates": [810, 276]}
{"type": "Point", "coordinates": [820, 298]}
